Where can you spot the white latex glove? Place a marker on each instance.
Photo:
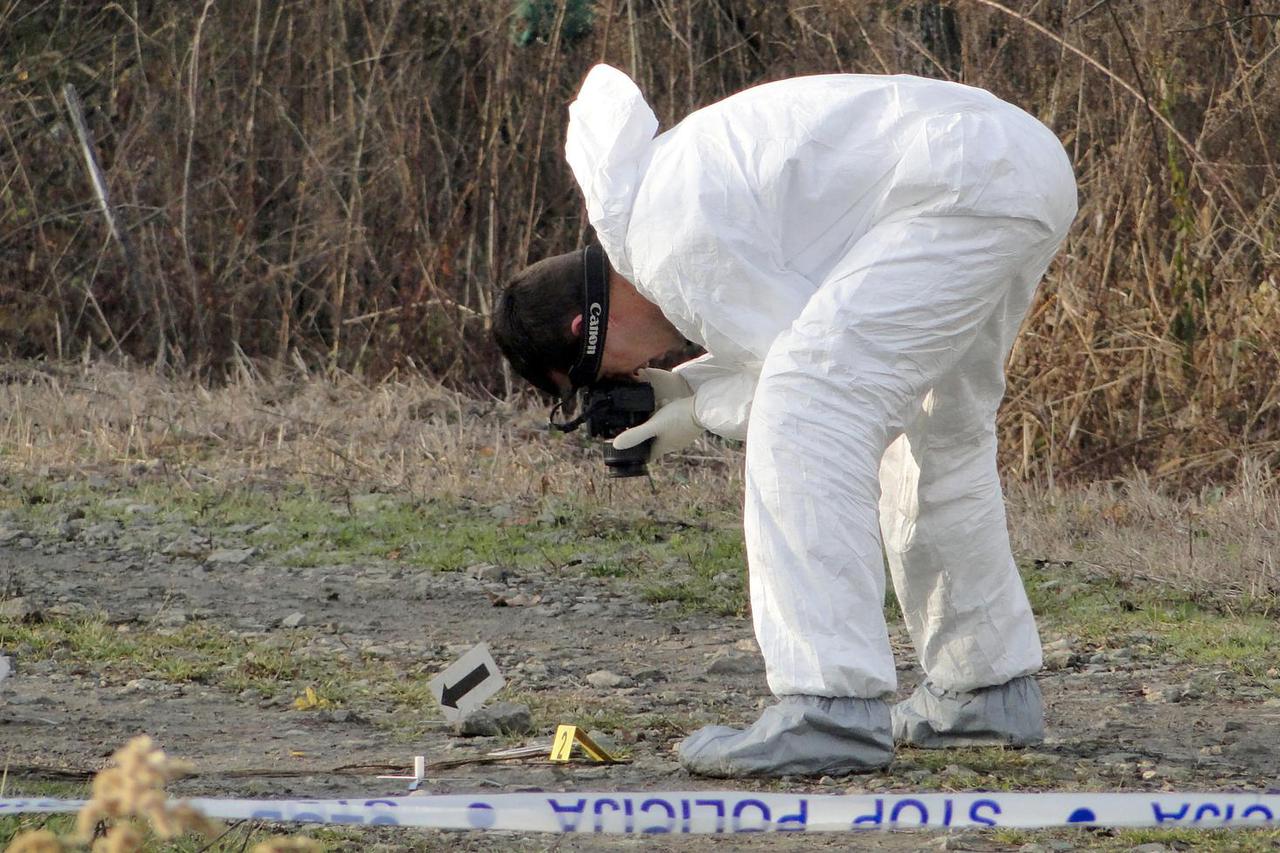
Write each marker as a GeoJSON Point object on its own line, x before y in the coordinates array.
{"type": "Point", "coordinates": [672, 427]}
{"type": "Point", "coordinates": [667, 386]}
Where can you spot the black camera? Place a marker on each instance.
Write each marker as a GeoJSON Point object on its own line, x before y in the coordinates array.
{"type": "Point", "coordinates": [609, 408]}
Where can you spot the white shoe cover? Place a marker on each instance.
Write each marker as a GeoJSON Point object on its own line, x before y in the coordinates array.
{"type": "Point", "coordinates": [799, 736]}
{"type": "Point", "coordinates": [1010, 714]}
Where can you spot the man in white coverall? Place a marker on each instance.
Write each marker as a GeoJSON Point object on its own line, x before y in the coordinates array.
{"type": "Point", "coordinates": [856, 254]}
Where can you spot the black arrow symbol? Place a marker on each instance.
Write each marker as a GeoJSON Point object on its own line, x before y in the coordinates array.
{"type": "Point", "coordinates": [449, 696]}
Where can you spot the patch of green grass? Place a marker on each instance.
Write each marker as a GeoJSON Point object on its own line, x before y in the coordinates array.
{"type": "Point", "coordinates": [698, 563]}
{"type": "Point", "coordinates": [1101, 611]}
{"type": "Point", "coordinates": [204, 653]}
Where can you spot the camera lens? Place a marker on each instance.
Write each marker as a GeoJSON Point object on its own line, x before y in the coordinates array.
{"type": "Point", "coordinates": [629, 462]}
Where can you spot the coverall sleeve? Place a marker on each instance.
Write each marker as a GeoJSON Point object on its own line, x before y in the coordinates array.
{"type": "Point", "coordinates": [720, 273]}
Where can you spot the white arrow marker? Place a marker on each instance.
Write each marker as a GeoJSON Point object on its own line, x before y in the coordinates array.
{"type": "Point", "coordinates": [466, 684]}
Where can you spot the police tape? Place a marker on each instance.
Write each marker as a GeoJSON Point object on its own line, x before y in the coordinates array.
{"type": "Point", "coordinates": [708, 812]}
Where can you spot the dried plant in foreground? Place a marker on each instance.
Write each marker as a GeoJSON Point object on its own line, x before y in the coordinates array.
{"type": "Point", "coordinates": [131, 795]}
{"type": "Point", "coordinates": [134, 789]}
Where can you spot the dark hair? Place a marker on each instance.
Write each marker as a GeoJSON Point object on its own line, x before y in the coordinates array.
{"type": "Point", "coordinates": [533, 321]}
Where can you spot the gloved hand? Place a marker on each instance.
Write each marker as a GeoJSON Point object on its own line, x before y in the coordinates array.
{"type": "Point", "coordinates": [667, 386]}
{"type": "Point", "coordinates": [672, 427]}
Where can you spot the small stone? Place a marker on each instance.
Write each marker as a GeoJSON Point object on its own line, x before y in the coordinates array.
{"type": "Point", "coordinates": [293, 620]}
{"type": "Point", "coordinates": [103, 531]}
{"type": "Point", "coordinates": [957, 770]}
{"type": "Point", "coordinates": [1233, 726]}
{"type": "Point", "coordinates": [509, 718]}
{"type": "Point", "coordinates": [487, 572]}
{"type": "Point", "coordinates": [8, 534]}
{"type": "Point", "coordinates": [173, 618]}
{"type": "Point", "coordinates": [605, 741]}
{"type": "Point", "coordinates": [653, 674]}
{"type": "Point", "coordinates": [18, 609]}
{"type": "Point", "coordinates": [231, 556]}
{"type": "Point", "coordinates": [606, 679]}
{"type": "Point", "coordinates": [735, 663]}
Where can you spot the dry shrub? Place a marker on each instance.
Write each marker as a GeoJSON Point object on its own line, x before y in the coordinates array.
{"type": "Point", "coordinates": [130, 797]}
{"type": "Point", "coordinates": [349, 182]}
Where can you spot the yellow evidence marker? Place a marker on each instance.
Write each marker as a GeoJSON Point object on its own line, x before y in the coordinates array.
{"type": "Point", "coordinates": [567, 736]}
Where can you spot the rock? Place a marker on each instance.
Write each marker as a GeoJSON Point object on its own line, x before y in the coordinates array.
{"type": "Point", "coordinates": [1058, 655]}
{"type": "Point", "coordinates": [231, 556]}
{"type": "Point", "coordinates": [8, 534]}
{"type": "Point", "coordinates": [957, 770]}
{"type": "Point", "coordinates": [1152, 847]}
{"type": "Point", "coordinates": [487, 572]}
{"type": "Point", "coordinates": [293, 620]}
{"type": "Point", "coordinates": [735, 663]}
{"type": "Point", "coordinates": [173, 618]}
{"type": "Point", "coordinates": [145, 685]}
{"type": "Point", "coordinates": [71, 528]}
{"type": "Point", "coordinates": [652, 674]}
{"type": "Point", "coordinates": [340, 715]}
{"type": "Point", "coordinates": [605, 679]}
{"type": "Point", "coordinates": [17, 609]}
{"type": "Point", "coordinates": [140, 509]}
{"type": "Point", "coordinates": [605, 741]}
{"type": "Point", "coordinates": [499, 718]}
{"type": "Point", "coordinates": [1161, 693]}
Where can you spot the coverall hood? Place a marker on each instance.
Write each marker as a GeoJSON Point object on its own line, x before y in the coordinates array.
{"type": "Point", "coordinates": [610, 129]}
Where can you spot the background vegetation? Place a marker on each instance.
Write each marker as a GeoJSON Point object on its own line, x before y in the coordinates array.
{"type": "Point", "coordinates": [346, 183]}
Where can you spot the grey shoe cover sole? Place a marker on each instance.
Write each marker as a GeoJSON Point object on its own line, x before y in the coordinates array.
{"type": "Point", "coordinates": [1010, 714]}
{"type": "Point", "coordinates": [799, 736]}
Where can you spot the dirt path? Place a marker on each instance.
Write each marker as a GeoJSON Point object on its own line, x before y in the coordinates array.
{"type": "Point", "coordinates": [1121, 718]}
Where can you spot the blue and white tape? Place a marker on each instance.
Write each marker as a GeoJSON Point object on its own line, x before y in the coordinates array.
{"type": "Point", "coordinates": [707, 812]}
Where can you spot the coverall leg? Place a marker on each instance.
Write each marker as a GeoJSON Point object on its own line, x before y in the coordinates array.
{"type": "Point", "coordinates": [901, 315]}
{"type": "Point", "coordinates": [942, 516]}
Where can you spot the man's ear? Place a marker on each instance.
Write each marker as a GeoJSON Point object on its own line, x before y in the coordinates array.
{"type": "Point", "coordinates": [575, 326]}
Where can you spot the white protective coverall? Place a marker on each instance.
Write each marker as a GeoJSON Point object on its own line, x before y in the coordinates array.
{"type": "Point", "coordinates": [856, 254]}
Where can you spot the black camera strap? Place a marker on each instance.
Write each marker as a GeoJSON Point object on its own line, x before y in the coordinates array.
{"type": "Point", "coordinates": [595, 323]}
{"type": "Point", "coordinates": [595, 316]}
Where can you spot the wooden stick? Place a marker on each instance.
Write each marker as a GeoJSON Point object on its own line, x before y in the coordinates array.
{"type": "Point", "coordinates": [99, 181]}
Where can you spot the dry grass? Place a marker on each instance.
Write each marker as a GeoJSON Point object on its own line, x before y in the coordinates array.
{"type": "Point", "coordinates": [404, 434]}
{"type": "Point", "coordinates": [409, 435]}
{"type": "Point", "coordinates": [1221, 541]}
